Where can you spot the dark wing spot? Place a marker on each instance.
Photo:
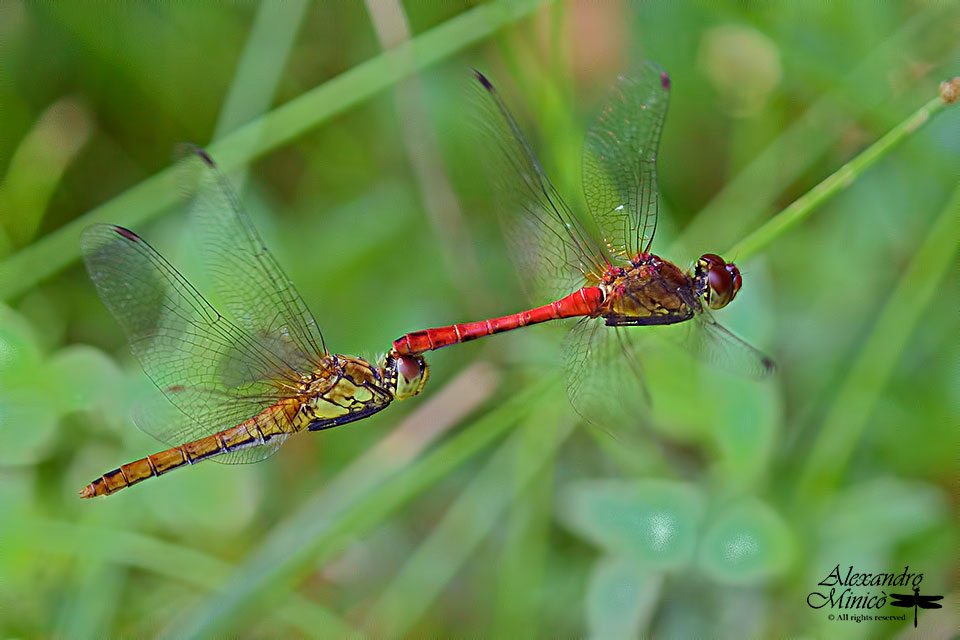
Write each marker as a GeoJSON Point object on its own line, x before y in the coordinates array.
{"type": "Point", "coordinates": [205, 156]}
{"type": "Point", "coordinates": [483, 80]}
{"type": "Point", "coordinates": [768, 366]}
{"type": "Point", "coordinates": [665, 80]}
{"type": "Point", "coordinates": [126, 233]}
{"type": "Point", "coordinates": [176, 388]}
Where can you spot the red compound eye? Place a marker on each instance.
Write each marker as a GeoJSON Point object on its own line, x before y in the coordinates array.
{"type": "Point", "coordinates": [409, 367]}
{"type": "Point", "coordinates": [737, 279]}
{"type": "Point", "coordinates": [723, 281]}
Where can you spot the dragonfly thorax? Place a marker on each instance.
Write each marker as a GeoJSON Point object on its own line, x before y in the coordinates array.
{"type": "Point", "coordinates": [342, 387]}
{"type": "Point", "coordinates": [651, 291]}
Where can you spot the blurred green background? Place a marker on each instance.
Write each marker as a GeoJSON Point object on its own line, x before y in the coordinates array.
{"type": "Point", "coordinates": [483, 507]}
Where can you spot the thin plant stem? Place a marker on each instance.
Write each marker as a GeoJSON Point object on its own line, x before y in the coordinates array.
{"type": "Point", "coordinates": [157, 193]}
{"type": "Point", "coordinates": [478, 509]}
{"type": "Point", "coordinates": [324, 527]}
{"type": "Point", "coordinates": [178, 563]}
{"type": "Point", "coordinates": [847, 416]}
{"type": "Point", "coordinates": [840, 179]}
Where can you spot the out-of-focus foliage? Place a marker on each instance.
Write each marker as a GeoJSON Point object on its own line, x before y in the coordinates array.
{"type": "Point", "coordinates": [483, 507]}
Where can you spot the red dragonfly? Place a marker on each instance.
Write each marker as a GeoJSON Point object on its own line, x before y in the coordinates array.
{"type": "Point", "coordinates": [234, 391]}
{"type": "Point", "coordinates": [603, 258]}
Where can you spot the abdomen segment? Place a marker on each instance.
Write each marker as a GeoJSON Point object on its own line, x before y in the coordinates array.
{"type": "Point", "coordinates": [584, 302]}
{"type": "Point", "coordinates": [277, 421]}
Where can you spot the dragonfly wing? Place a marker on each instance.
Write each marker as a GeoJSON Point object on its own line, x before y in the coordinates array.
{"type": "Point", "coordinates": [167, 422]}
{"type": "Point", "coordinates": [552, 248]}
{"type": "Point", "coordinates": [929, 602]}
{"type": "Point", "coordinates": [604, 376]}
{"type": "Point", "coordinates": [620, 160]}
{"type": "Point", "coordinates": [541, 258]}
{"type": "Point", "coordinates": [710, 342]}
{"type": "Point", "coordinates": [257, 293]}
{"type": "Point", "coordinates": [206, 366]}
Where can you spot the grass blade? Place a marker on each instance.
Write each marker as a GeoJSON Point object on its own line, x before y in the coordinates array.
{"type": "Point", "coordinates": [45, 257]}
{"type": "Point", "coordinates": [340, 514]}
{"type": "Point", "coordinates": [830, 186]}
{"type": "Point", "coordinates": [743, 202]}
{"type": "Point", "coordinates": [520, 584]}
{"type": "Point", "coordinates": [846, 418]}
{"type": "Point", "coordinates": [176, 562]}
{"type": "Point", "coordinates": [261, 65]}
{"type": "Point", "coordinates": [477, 510]}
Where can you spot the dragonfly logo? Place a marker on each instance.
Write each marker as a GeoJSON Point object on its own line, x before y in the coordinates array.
{"type": "Point", "coordinates": [916, 601]}
{"type": "Point", "coordinates": [851, 594]}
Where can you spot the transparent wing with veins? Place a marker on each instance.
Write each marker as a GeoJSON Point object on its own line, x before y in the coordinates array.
{"type": "Point", "coordinates": [604, 377]}
{"type": "Point", "coordinates": [256, 292]}
{"type": "Point", "coordinates": [604, 374]}
{"type": "Point", "coordinates": [164, 420]}
{"type": "Point", "coordinates": [553, 249]}
{"type": "Point", "coordinates": [710, 342]}
{"type": "Point", "coordinates": [620, 160]}
{"type": "Point", "coordinates": [214, 374]}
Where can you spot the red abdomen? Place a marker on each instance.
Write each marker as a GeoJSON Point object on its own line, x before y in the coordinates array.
{"type": "Point", "coordinates": [584, 302]}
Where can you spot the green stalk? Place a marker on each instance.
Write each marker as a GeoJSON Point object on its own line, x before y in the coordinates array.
{"type": "Point", "coordinates": [523, 559]}
{"type": "Point", "coordinates": [476, 512]}
{"type": "Point", "coordinates": [155, 194]}
{"type": "Point", "coordinates": [748, 198]}
{"type": "Point", "coordinates": [840, 179]}
{"type": "Point", "coordinates": [324, 528]}
{"type": "Point", "coordinates": [39, 536]}
{"type": "Point", "coordinates": [848, 414]}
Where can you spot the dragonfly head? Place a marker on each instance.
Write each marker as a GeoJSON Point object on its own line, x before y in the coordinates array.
{"type": "Point", "coordinates": [408, 373]}
{"type": "Point", "coordinates": [716, 280]}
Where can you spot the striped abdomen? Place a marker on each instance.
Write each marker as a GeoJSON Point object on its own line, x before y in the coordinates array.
{"type": "Point", "coordinates": [278, 420]}
{"type": "Point", "coordinates": [584, 302]}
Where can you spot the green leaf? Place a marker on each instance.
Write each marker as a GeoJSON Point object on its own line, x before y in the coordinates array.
{"type": "Point", "coordinates": [28, 425]}
{"type": "Point", "coordinates": [746, 543]}
{"type": "Point", "coordinates": [85, 378]}
{"type": "Point", "coordinates": [621, 597]}
{"type": "Point", "coordinates": [654, 522]}
{"type": "Point", "coordinates": [20, 355]}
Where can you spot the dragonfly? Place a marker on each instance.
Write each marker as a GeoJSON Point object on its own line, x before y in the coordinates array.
{"type": "Point", "coordinates": [233, 390]}
{"type": "Point", "coordinates": [916, 601]}
{"type": "Point", "coordinates": [599, 267]}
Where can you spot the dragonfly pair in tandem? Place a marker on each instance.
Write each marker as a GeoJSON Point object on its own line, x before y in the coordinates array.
{"type": "Point", "coordinates": [237, 388]}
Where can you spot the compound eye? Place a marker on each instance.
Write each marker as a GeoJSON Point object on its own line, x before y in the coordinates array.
{"type": "Point", "coordinates": [723, 280]}
{"type": "Point", "coordinates": [737, 280]}
{"type": "Point", "coordinates": [720, 290]}
{"type": "Point", "coordinates": [412, 374]}
{"type": "Point", "coordinates": [409, 367]}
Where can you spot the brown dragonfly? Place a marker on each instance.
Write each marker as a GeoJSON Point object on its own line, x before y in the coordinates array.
{"type": "Point", "coordinates": [599, 267]}
{"type": "Point", "coordinates": [234, 390]}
